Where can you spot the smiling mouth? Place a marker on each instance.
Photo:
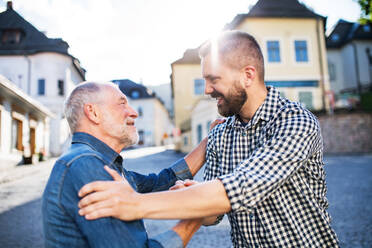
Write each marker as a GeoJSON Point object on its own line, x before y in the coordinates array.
{"type": "Point", "coordinates": [130, 123]}
{"type": "Point", "coordinates": [219, 100]}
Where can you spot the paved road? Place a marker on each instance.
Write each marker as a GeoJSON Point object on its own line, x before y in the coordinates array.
{"type": "Point", "coordinates": [349, 182]}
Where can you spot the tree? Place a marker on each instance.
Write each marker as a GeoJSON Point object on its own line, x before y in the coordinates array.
{"type": "Point", "coordinates": [366, 11]}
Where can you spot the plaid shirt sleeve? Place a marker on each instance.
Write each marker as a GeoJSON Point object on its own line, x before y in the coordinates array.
{"type": "Point", "coordinates": [212, 170]}
{"type": "Point", "coordinates": [294, 139]}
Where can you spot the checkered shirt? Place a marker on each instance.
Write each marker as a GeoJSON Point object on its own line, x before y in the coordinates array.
{"type": "Point", "coordinates": [272, 171]}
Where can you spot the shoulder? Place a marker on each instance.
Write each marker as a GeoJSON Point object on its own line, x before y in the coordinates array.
{"type": "Point", "coordinates": [84, 165]}
{"type": "Point", "coordinates": [77, 154]}
{"type": "Point", "coordinates": [295, 116]}
{"type": "Point", "coordinates": [219, 129]}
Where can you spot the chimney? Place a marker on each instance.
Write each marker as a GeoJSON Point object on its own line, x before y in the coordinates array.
{"type": "Point", "coordinates": [9, 5]}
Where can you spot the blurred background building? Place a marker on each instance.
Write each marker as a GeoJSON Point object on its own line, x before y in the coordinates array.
{"type": "Point", "coordinates": [292, 39]}
{"type": "Point", "coordinates": [153, 124]}
{"type": "Point", "coordinates": [41, 67]}
{"type": "Point", "coordinates": [24, 125]}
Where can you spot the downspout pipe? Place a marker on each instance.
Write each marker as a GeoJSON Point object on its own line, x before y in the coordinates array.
{"type": "Point", "coordinates": [28, 75]}
{"type": "Point", "coordinates": [322, 76]}
{"type": "Point", "coordinates": [359, 86]}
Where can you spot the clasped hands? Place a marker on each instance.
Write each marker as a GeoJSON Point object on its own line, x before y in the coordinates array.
{"type": "Point", "coordinates": [115, 198]}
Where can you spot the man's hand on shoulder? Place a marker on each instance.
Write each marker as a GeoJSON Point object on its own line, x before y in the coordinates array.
{"type": "Point", "coordinates": [109, 198]}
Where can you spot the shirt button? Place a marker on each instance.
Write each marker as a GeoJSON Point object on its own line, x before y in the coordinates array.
{"type": "Point", "coordinates": [251, 215]}
{"type": "Point", "coordinates": [244, 134]}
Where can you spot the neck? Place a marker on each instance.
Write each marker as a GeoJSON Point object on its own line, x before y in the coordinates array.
{"type": "Point", "coordinates": [255, 98]}
{"type": "Point", "coordinates": [114, 144]}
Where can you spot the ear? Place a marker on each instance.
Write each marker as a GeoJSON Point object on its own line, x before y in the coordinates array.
{"type": "Point", "coordinates": [249, 74]}
{"type": "Point", "coordinates": [92, 112]}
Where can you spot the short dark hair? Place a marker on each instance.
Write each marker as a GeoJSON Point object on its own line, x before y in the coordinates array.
{"type": "Point", "coordinates": [237, 49]}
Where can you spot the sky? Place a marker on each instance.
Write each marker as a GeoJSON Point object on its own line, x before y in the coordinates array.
{"type": "Point", "coordinates": [139, 39]}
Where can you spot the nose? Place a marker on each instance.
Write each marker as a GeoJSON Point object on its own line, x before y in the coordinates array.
{"type": "Point", "coordinates": [208, 89]}
{"type": "Point", "coordinates": [132, 113]}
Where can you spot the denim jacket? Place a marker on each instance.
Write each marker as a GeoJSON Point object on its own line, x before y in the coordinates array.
{"type": "Point", "coordinates": [83, 163]}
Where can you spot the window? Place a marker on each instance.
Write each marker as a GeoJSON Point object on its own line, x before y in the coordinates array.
{"type": "Point", "coordinates": [140, 111]}
{"type": "Point", "coordinates": [199, 85]}
{"type": "Point", "coordinates": [306, 98]}
{"type": "Point", "coordinates": [335, 37]}
{"type": "Point", "coordinates": [199, 133]}
{"type": "Point", "coordinates": [332, 71]}
{"type": "Point", "coordinates": [301, 51]}
{"type": "Point", "coordinates": [273, 51]}
{"type": "Point", "coordinates": [135, 94]}
{"type": "Point", "coordinates": [208, 125]}
{"type": "Point", "coordinates": [11, 36]}
{"type": "Point", "coordinates": [185, 141]}
{"type": "Point", "coordinates": [141, 137]}
{"type": "Point", "coordinates": [61, 88]}
{"type": "Point", "coordinates": [41, 87]}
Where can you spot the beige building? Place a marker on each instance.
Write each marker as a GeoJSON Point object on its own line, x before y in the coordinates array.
{"type": "Point", "coordinates": [293, 44]}
{"type": "Point", "coordinates": [24, 124]}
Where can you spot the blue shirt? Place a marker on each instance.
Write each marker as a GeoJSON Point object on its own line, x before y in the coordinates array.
{"type": "Point", "coordinates": [82, 164]}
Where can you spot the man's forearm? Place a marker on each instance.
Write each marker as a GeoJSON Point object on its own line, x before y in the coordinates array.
{"type": "Point", "coordinates": [196, 158]}
{"type": "Point", "coordinates": [186, 229]}
{"type": "Point", "coordinates": [201, 200]}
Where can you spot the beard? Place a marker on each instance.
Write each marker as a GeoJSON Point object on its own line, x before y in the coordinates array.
{"type": "Point", "coordinates": [233, 102]}
{"type": "Point", "coordinates": [125, 134]}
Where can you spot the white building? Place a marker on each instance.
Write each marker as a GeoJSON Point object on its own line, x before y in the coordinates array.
{"type": "Point", "coordinates": [153, 123]}
{"type": "Point", "coordinates": [163, 91]}
{"type": "Point", "coordinates": [24, 124]}
{"type": "Point", "coordinates": [41, 67]}
{"type": "Point", "coordinates": [349, 51]}
{"type": "Point", "coordinates": [203, 114]}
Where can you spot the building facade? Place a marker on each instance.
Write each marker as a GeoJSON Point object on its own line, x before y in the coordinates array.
{"type": "Point", "coordinates": [292, 39]}
{"type": "Point", "coordinates": [153, 124]}
{"type": "Point", "coordinates": [41, 67]}
{"type": "Point", "coordinates": [24, 124]}
{"type": "Point", "coordinates": [349, 48]}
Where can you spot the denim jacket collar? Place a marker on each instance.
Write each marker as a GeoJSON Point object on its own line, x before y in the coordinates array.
{"type": "Point", "coordinates": [107, 153]}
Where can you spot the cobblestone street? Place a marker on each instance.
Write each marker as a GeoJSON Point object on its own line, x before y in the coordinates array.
{"type": "Point", "coordinates": [349, 181]}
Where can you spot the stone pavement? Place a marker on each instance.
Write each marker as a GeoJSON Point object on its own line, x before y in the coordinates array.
{"type": "Point", "coordinates": [349, 180]}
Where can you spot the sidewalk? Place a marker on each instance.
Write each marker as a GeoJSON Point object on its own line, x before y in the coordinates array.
{"type": "Point", "coordinates": [11, 171]}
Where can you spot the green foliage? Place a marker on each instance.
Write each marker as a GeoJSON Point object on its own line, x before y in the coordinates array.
{"type": "Point", "coordinates": [366, 11]}
{"type": "Point", "coordinates": [366, 101]}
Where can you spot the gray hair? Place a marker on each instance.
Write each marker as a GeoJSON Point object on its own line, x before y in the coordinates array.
{"type": "Point", "coordinates": [85, 92]}
{"type": "Point", "coordinates": [237, 49]}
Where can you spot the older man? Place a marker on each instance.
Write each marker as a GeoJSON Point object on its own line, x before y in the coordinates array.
{"type": "Point", "coordinates": [102, 123]}
{"type": "Point", "coordinates": [264, 164]}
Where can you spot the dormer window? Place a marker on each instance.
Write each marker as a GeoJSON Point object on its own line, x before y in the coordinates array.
{"type": "Point", "coordinates": [135, 94]}
{"type": "Point", "coordinates": [335, 37]}
{"type": "Point", "coordinates": [11, 36]}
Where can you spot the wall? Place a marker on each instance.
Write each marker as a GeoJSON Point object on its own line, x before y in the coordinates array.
{"type": "Point", "coordinates": [204, 111]}
{"type": "Point", "coordinates": [335, 58]}
{"type": "Point", "coordinates": [184, 97]}
{"type": "Point", "coordinates": [347, 133]}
